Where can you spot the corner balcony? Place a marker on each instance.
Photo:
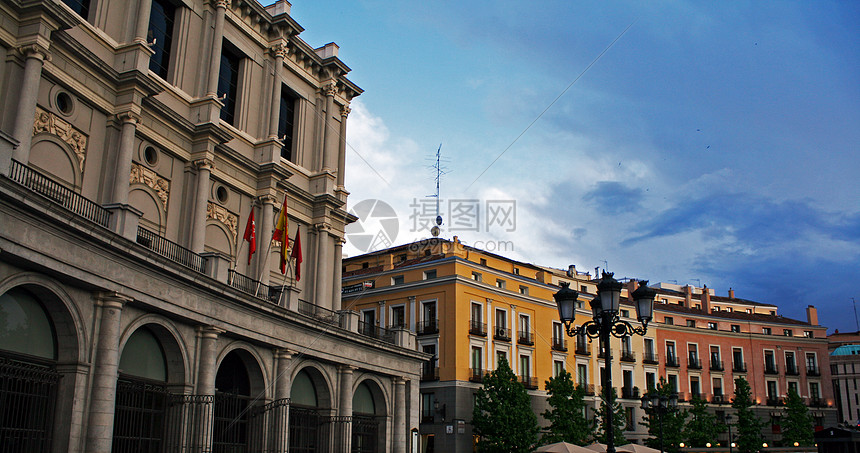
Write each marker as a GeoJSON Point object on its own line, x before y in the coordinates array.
{"type": "Point", "coordinates": [428, 327]}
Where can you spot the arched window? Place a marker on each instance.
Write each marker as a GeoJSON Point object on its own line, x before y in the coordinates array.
{"type": "Point", "coordinates": [365, 425]}
{"type": "Point", "coordinates": [28, 379]}
{"type": "Point", "coordinates": [309, 430]}
{"type": "Point", "coordinates": [140, 418]}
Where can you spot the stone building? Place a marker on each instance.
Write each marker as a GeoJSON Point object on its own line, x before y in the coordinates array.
{"type": "Point", "coordinates": [136, 139]}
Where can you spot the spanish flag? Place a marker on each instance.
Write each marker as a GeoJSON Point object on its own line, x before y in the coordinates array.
{"type": "Point", "coordinates": [281, 234]}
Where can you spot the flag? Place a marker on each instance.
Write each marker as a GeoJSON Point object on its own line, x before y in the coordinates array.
{"type": "Point", "coordinates": [281, 234]}
{"type": "Point", "coordinates": [297, 254]}
{"type": "Point", "coordinates": [251, 235]}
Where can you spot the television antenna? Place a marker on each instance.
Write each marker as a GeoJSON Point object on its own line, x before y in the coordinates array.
{"type": "Point", "coordinates": [440, 170]}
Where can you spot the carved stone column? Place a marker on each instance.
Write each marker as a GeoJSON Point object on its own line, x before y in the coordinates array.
{"type": "Point", "coordinates": [338, 274]}
{"type": "Point", "coordinates": [22, 130]}
{"type": "Point", "coordinates": [344, 409]}
{"type": "Point", "coordinates": [328, 155]}
{"type": "Point", "coordinates": [124, 157]}
{"type": "Point", "coordinates": [105, 372]}
{"type": "Point", "coordinates": [341, 153]}
{"type": "Point", "coordinates": [280, 52]}
{"type": "Point", "coordinates": [323, 272]}
{"type": "Point", "coordinates": [215, 55]}
{"type": "Point", "coordinates": [399, 436]}
{"type": "Point", "coordinates": [198, 221]}
{"type": "Point", "coordinates": [264, 237]}
{"type": "Point", "coordinates": [281, 416]}
{"type": "Point", "coordinates": [144, 9]}
{"type": "Point", "coordinates": [201, 435]}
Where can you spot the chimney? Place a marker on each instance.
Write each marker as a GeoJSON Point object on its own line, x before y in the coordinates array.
{"type": "Point", "coordinates": [632, 285]}
{"type": "Point", "coordinates": [571, 271]}
{"type": "Point", "coordinates": [688, 296]}
{"type": "Point", "coordinates": [731, 293]}
{"type": "Point", "coordinates": [812, 315]}
{"type": "Point", "coordinates": [706, 299]}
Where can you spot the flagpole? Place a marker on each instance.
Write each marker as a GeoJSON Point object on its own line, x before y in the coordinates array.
{"type": "Point", "coordinates": [263, 268]}
{"type": "Point", "coordinates": [284, 284]}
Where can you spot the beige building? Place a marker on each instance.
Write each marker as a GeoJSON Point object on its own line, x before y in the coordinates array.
{"type": "Point", "coordinates": [136, 139]}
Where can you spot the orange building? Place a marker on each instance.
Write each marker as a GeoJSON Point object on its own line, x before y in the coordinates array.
{"type": "Point", "coordinates": [469, 308]}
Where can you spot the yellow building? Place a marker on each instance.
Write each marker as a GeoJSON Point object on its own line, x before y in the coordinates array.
{"type": "Point", "coordinates": [471, 308]}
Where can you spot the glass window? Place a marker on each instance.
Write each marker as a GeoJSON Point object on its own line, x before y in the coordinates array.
{"type": "Point", "coordinates": [476, 313]}
{"type": "Point", "coordinates": [736, 328]}
{"type": "Point", "coordinates": [668, 320]}
{"type": "Point", "coordinates": [25, 326]}
{"type": "Point", "coordinates": [397, 280]}
{"type": "Point", "coordinates": [582, 374]}
{"type": "Point", "coordinates": [142, 356]}
{"type": "Point", "coordinates": [430, 275]}
{"type": "Point", "coordinates": [286, 122]}
{"type": "Point", "coordinates": [160, 36]}
{"type": "Point", "coordinates": [228, 81]}
{"type": "Point", "coordinates": [557, 367]}
{"type": "Point", "coordinates": [82, 7]}
{"type": "Point", "coordinates": [712, 325]}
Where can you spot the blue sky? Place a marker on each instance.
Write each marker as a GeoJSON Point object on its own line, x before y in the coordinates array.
{"type": "Point", "coordinates": [713, 143]}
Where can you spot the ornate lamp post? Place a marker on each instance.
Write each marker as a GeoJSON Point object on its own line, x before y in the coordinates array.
{"type": "Point", "coordinates": [661, 404]}
{"type": "Point", "coordinates": [605, 322]}
{"type": "Point", "coordinates": [729, 426]}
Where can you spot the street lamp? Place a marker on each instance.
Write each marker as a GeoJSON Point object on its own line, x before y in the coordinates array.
{"type": "Point", "coordinates": [728, 420]}
{"type": "Point", "coordinates": [661, 404]}
{"type": "Point", "coordinates": [605, 322]}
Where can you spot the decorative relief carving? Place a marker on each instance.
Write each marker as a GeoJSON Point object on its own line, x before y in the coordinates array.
{"type": "Point", "coordinates": [345, 111]}
{"type": "Point", "coordinates": [52, 124]}
{"type": "Point", "coordinates": [330, 89]}
{"type": "Point", "coordinates": [221, 214]}
{"type": "Point", "coordinates": [142, 175]}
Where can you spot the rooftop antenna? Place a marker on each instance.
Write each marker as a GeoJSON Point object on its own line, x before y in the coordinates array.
{"type": "Point", "coordinates": [437, 166]}
{"type": "Point", "coordinates": [855, 314]}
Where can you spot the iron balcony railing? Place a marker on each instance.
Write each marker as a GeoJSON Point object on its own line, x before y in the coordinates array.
{"type": "Point", "coordinates": [773, 401]}
{"type": "Point", "coordinates": [650, 357]}
{"type": "Point", "coordinates": [321, 313]}
{"type": "Point", "coordinates": [672, 361]}
{"type": "Point", "coordinates": [253, 287]}
{"type": "Point", "coordinates": [582, 348]}
{"type": "Point", "coordinates": [739, 367]}
{"type": "Point", "coordinates": [791, 369]}
{"type": "Point", "coordinates": [58, 193]}
{"type": "Point", "coordinates": [771, 368]}
{"type": "Point", "coordinates": [589, 389]}
{"type": "Point", "coordinates": [630, 392]}
{"type": "Point", "coordinates": [477, 328]}
{"type": "Point", "coordinates": [170, 250]}
{"type": "Point", "coordinates": [526, 338]}
{"type": "Point", "coordinates": [694, 363]}
{"type": "Point", "coordinates": [812, 371]}
{"type": "Point", "coordinates": [628, 356]}
{"type": "Point", "coordinates": [477, 374]}
{"type": "Point", "coordinates": [430, 373]}
{"type": "Point", "coordinates": [559, 344]}
{"type": "Point", "coordinates": [374, 331]}
{"type": "Point", "coordinates": [716, 365]}
{"type": "Point", "coordinates": [428, 327]}
{"type": "Point", "coordinates": [817, 401]}
{"type": "Point", "coordinates": [718, 397]}
{"type": "Point", "coordinates": [529, 382]}
{"type": "Point", "coordinates": [501, 334]}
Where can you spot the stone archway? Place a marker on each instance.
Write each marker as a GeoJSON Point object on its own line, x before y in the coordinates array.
{"type": "Point", "coordinates": [310, 412]}
{"type": "Point", "coordinates": [239, 405]}
{"type": "Point", "coordinates": [369, 417]}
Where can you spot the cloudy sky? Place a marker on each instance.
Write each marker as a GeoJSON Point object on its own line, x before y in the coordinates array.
{"type": "Point", "coordinates": [711, 143]}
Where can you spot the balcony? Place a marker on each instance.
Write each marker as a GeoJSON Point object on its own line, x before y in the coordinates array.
{"type": "Point", "coordinates": [771, 368]}
{"type": "Point", "coordinates": [526, 338]}
{"type": "Point", "coordinates": [773, 401]}
{"type": "Point", "coordinates": [816, 401]}
{"type": "Point", "coordinates": [812, 371]}
{"type": "Point", "coordinates": [672, 361]}
{"type": "Point", "coordinates": [364, 328]}
{"type": "Point", "coordinates": [529, 382]}
{"type": "Point", "coordinates": [630, 393]}
{"type": "Point", "coordinates": [476, 374]}
{"type": "Point", "coordinates": [430, 373]}
{"type": "Point", "coordinates": [477, 328]}
{"type": "Point", "coordinates": [694, 363]}
{"type": "Point", "coordinates": [428, 327]}
{"type": "Point", "coordinates": [502, 334]}
{"type": "Point", "coordinates": [559, 344]}
{"type": "Point", "coordinates": [717, 365]}
{"type": "Point", "coordinates": [650, 358]}
{"type": "Point", "coordinates": [696, 395]}
{"type": "Point", "coordinates": [628, 356]}
{"type": "Point", "coordinates": [583, 348]}
{"type": "Point", "coordinates": [253, 287]}
{"type": "Point", "coordinates": [324, 314]}
{"type": "Point", "coordinates": [601, 353]}
{"type": "Point", "coordinates": [589, 389]}
{"type": "Point", "coordinates": [58, 193]}
{"type": "Point", "coordinates": [170, 250]}
{"type": "Point", "coordinates": [718, 397]}
{"type": "Point", "coordinates": [739, 367]}
{"type": "Point", "coordinates": [791, 370]}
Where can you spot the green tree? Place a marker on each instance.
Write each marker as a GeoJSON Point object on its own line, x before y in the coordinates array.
{"type": "Point", "coordinates": [797, 424]}
{"type": "Point", "coordinates": [702, 427]}
{"type": "Point", "coordinates": [619, 419]}
{"type": "Point", "coordinates": [674, 419]}
{"type": "Point", "coordinates": [503, 416]}
{"type": "Point", "coordinates": [567, 417]}
{"type": "Point", "coordinates": [749, 426]}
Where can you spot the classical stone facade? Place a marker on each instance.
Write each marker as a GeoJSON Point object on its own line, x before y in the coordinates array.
{"type": "Point", "coordinates": [136, 139]}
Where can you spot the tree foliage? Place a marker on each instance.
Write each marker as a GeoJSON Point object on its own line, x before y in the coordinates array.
{"type": "Point", "coordinates": [797, 424]}
{"type": "Point", "coordinates": [619, 419]}
{"type": "Point", "coordinates": [567, 416]}
{"type": "Point", "coordinates": [674, 419]}
{"type": "Point", "coordinates": [503, 416]}
{"type": "Point", "coordinates": [749, 426]}
{"type": "Point", "coordinates": [702, 427]}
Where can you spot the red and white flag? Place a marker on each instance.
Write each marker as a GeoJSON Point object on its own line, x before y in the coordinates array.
{"type": "Point", "coordinates": [251, 235]}
{"type": "Point", "coordinates": [297, 254]}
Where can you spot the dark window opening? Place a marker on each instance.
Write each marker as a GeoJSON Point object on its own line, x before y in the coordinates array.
{"type": "Point", "coordinates": [160, 31]}
{"type": "Point", "coordinates": [228, 81]}
{"type": "Point", "coordinates": [286, 119]}
{"type": "Point", "coordinates": [82, 7]}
